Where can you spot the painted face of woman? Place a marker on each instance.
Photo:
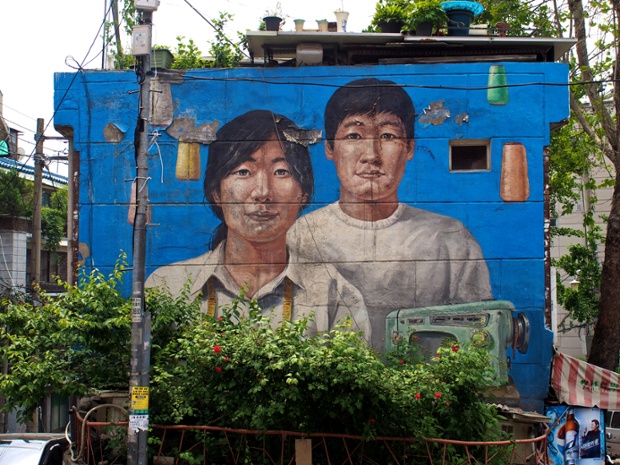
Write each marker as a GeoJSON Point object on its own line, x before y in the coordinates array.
{"type": "Point", "coordinates": [260, 198]}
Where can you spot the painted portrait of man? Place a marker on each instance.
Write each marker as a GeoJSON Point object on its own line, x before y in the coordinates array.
{"type": "Point", "coordinates": [397, 255]}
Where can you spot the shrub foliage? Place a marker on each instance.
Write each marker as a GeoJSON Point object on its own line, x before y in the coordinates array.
{"type": "Point", "coordinates": [240, 370]}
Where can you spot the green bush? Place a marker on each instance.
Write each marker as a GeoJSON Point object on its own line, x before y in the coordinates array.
{"type": "Point", "coordinates": [238, 371]}
{"type": "Point", "coordinates": [68, 344]}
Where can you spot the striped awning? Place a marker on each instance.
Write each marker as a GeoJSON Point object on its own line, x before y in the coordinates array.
{"type": "Point", "coordinates": [583, 384]}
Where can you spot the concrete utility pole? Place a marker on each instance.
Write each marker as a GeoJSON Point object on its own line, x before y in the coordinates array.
{"type": "Point", "coordinates": [36, 207]}
{"type": "Point", "coordinates": [141, 320]}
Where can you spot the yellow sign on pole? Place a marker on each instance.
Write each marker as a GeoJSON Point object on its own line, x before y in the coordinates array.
{"type": "Point", "coordinates": [140, 400]}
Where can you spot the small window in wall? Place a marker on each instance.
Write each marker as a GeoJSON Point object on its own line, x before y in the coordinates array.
{"type": "Point", "coordinates": [469, 155]}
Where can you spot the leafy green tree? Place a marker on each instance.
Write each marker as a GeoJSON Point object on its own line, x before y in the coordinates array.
{"type": "Point", "coordinates": [187, 55]}
{"type": "Point", "coordinates": [581, 302]}
{"type": "Point", "coordinates": [79, 341]}
{"type": "Point", "coordinates": [54, 219]}
{"type": "Point", "coordinates": [67, 344]}
{"type": "Point", "coordinates": [16, 194]}
{"type": "Point", "coordinates": [524, 17]}
{"type": "Point", "coordinates": [574, 158]}
{"type": "Point", "coordinates": [225, 52]}
{"type": "Point", "coordinates": [17, 198]}
{"type": "Point", "coordinates": [595, 102]}
{"type": "Point", "coordinates": [118, 27]}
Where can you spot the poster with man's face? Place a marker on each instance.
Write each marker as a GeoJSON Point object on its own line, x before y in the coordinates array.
{"type": "Point", "coordinates": [342, 191]}
{"type": "Point", "coordinates": [576, 436]}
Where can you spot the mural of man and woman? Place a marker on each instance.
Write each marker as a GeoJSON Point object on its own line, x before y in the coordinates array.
{"type": "Point", "coordinates": [365, 255]}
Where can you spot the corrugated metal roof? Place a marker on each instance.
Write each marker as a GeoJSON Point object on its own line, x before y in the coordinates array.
{"type": "Point", "coordinates": [28, 171]}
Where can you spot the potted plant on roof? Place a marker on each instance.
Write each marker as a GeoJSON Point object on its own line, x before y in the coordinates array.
{"type": "Point", "coordinates": [460, 15]}
{"type": "Point", "coordinates": [390, 15]}
{"type": "Point", "coordinates": [426, 15]}
{"type": "Point", "coordinates": [161, 57]}
{"type": "Point", "coordinates": [273, 20]}
{"type": "Point", "coordinates": [341, 20]}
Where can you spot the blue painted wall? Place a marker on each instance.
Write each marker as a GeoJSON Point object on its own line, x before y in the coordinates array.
{"type": "Point", "coordinates": [511, 235]}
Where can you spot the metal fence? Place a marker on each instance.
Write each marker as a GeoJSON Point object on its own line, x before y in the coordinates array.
{"type": "Point", "coordinates": [98, 441]}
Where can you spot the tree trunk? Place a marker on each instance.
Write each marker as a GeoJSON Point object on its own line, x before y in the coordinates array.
{"type": "Point", "coordinates": [606, 342]}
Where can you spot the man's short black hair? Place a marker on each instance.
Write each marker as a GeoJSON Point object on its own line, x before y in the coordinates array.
{"type": "Point", "coordinates": [368, 96]}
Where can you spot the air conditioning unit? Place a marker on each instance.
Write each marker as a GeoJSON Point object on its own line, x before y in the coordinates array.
{"type": "Point", "coordinates": [491, 324]}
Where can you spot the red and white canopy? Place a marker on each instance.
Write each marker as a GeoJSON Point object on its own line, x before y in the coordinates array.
{"type": "Point", "coordinates": [582, 384]}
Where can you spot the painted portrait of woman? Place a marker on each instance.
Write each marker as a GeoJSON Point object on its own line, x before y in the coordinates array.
{"type": "Point", "coordinates": [257, 181]}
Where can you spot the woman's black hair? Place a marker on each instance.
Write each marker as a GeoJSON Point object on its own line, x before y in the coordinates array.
{"type": "Point", "coordinates": [234, 144]}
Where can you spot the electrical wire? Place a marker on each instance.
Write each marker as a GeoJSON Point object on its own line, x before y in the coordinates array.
{"type": "Point", "coordinates": [18, 171]}
{"type": "Point", "coordinates": [215, 28]}
{"type": "Point", "coordinates": [14, 124]}
{"type": "Point", "coordinates": [161, 161]}
{"type": "Point", "coordinates": [405, 86]}
{"type": "Point", "coordinates": [17, 111]}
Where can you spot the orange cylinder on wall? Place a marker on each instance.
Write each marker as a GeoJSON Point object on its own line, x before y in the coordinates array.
{"type": "Point", "coordinates": [514, 183]}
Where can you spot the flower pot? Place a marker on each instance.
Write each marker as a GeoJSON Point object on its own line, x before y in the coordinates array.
{"type": "Point", "coordinates": [460, 14]}
{"type": "Point", "coordinates": [299, 25]}
{"type": "Point", "coordinates": [391, 27]}
{"type": "Point", "coordinates": [458, 22]}
{"type": "Point", "coordinates": [161, 58]}
{"type": "Point", "coordinates": [322, 25]}
{"type": "Point", "coordinates": [424, 29]}
{"type": "Point", "coordinates": [341, 20]}
{"type": "Point", "coordinates": [272, 23]}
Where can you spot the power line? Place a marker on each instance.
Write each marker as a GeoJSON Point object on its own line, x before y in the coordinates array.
{"type": "Point", "coordinates": [215, 28]}
{"type": "Point", "coordinates": [19, 171]}
{"type": "Point", "coordinates": [14, 124]}
{"type": "Point", "coordinates": [17, 111]}
{"type": "Point", "coordinates": [305, 82]}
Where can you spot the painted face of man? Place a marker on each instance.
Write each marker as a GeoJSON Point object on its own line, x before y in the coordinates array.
{"type": "Point", "coordinates": [370, 153]}
{"type": "Point", "coordinates": [260, 198]}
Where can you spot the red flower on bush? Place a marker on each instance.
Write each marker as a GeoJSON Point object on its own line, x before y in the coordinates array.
{"type": "Point", "coordinates": [418, 396]}
{"type": "Point", "coordinates": [217, 349]}
{"type": "Point", "coordinates": [372, 420]}
{"type": "Point", "coordinates": [438, 394]}
{"type": "Point", "coordinates": [401, 361]}
{"type": "Point", "coordinates": [455, 348]}
{"type": "Point", "coordinates": [447, 404]}
{"type": "Point", "coordinates": [438, 355]}
{"type": "Point", "coordinates": [218, 369]}
{"type": "Point", "coordinates": [219, 318]}
{"type": "Point", "coordinates": [226, 359]}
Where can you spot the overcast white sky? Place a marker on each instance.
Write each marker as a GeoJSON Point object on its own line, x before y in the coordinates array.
{"type": "Point", "coordinates": [39, 37]}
